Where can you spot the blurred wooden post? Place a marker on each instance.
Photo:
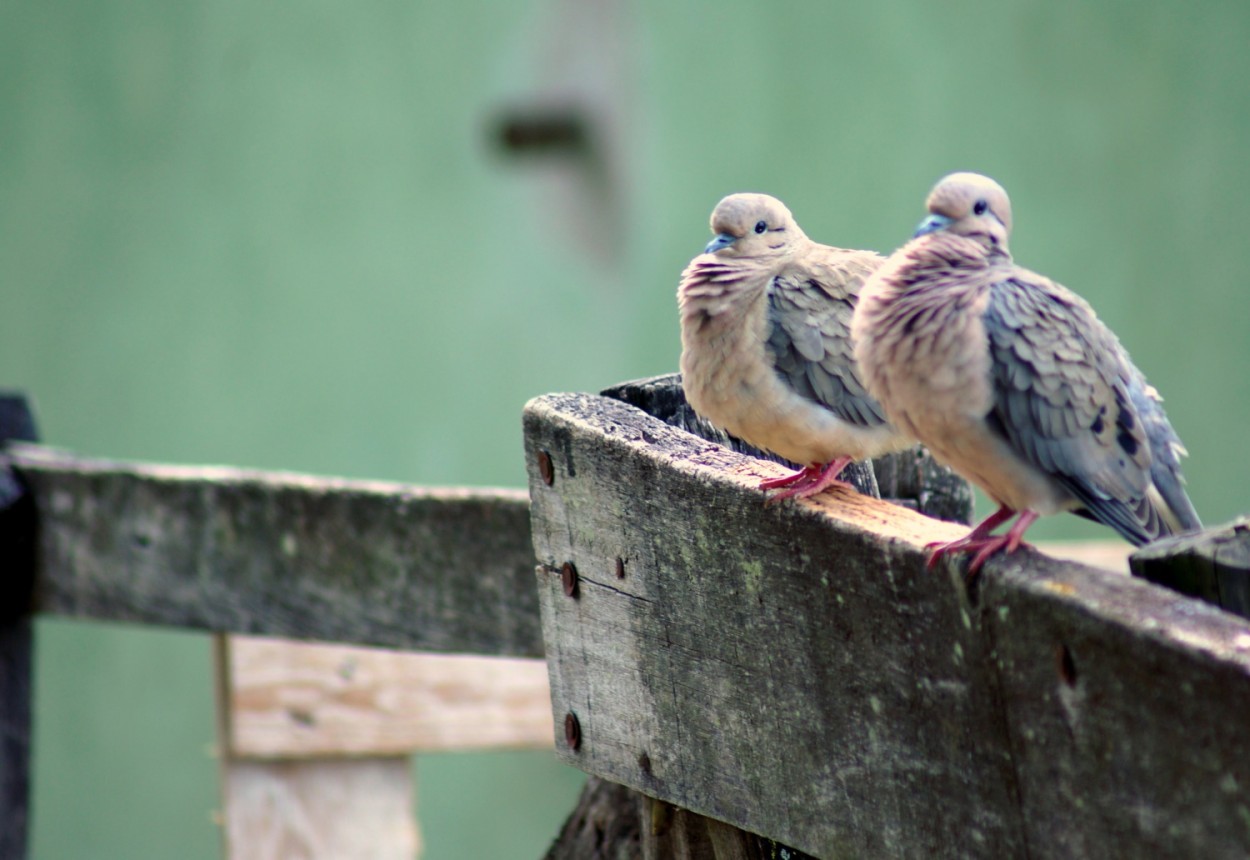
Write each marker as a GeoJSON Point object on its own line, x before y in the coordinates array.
{"type": "Point", "coordinates": [316, 739]}
{"type": "Point", "coordinates": [1212, 565]}
{"type": "Point", "coordinates": [17, 571]}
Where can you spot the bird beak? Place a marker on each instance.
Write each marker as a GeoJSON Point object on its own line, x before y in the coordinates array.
{"type": "Point", "coordinates": [931, 224]}
{"type": "Point", "coordinates": [722, 240]}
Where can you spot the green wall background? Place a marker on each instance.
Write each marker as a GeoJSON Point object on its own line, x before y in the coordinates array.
{"type": "Point", "coordinates": [282, 236]}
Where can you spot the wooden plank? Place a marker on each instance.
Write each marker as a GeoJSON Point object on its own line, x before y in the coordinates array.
{"type": "Point", "coordinates": [320, 809]}
{"type": "Point", "coordinates": [287, 555]}
{"type": "Point", "coordinates": [794, 670]}
{"type": "Point", "coordinates": [17, 567]}
{"type": "Point", "coordinates": [287, 699]}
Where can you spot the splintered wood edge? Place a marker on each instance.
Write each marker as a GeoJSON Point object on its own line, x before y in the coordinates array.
{"type": "Point", "coordinates": [283, 699]}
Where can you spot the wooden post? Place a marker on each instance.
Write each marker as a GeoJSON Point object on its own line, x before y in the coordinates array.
{"type": "Point", "coordinates": [17, 571]}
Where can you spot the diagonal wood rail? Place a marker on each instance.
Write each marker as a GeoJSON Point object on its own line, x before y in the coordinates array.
{"type": "Point", "coordinates": [795, 671]}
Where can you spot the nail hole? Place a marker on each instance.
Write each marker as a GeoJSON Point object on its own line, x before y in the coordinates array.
{"type": "Point", "coordinates": [572, 731]}
{"type": "Point", "coordinates": [644, 763]}
{"type": "Point", "coordinates": [1067, 666]}
{"type": "Point", "coordinates": [545, 468]}
{"type": "Point", "coordinates": [620, 568]}
{"type": "Point", "coordinates": [568, 578]}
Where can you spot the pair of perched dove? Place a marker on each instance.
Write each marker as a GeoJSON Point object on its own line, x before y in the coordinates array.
{"type": "Point", "coordinates": [824, 356]}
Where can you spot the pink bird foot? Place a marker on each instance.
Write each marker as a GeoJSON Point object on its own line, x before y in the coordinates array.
{"type": "Point", "coordinates": [981, 542]}
{"type": "Point", "coordinates": [807, 481]}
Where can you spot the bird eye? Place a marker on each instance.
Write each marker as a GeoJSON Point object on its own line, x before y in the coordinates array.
{"type": "Point", "coordinates": [980, 207]}
{"type": "Point", "coordinates": [761, 226]}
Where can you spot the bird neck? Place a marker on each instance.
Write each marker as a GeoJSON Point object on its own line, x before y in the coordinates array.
{"type": "Point", "coordinates": [712, 285]}
{"type": "Point", "coordinates": [942, 254]}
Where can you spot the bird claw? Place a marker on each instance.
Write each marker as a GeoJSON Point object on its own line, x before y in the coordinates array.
{"type": "Point", "coordinates": [807, 481]}
{"type": "Point", "coordinates": [786, 480]}
{"type": "Point", "coordinates": [983, 547]}
{"type": "Point", "coordinates": [810, 488]}
{"type": "Point", "coordinates": [980, 541]}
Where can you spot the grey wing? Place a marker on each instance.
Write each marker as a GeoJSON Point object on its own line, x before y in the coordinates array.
{"type": "Point", "coordinates": [809, 335]}
{"type": "Point", "coordinates": [1167, 450]}
{"type": "Point", "coordinates": [1064, 399]}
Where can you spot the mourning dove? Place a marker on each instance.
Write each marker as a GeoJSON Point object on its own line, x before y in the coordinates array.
{"type": "Point", "coordinates": [766, 353]}
{"type": "Point", "coordinates": [1011, 379]}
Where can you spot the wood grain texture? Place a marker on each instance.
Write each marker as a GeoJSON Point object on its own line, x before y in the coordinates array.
{"type": "Point", "coordinates": [795, 671]}
{"type": "Point", "coordinates": [320, 810]}
{"type": "Point", "coordinates": [292, 700]}
{"type": "Point", "coordinates": [1126, 706]}
{"type": "Point", "coordinates": [284, 555]}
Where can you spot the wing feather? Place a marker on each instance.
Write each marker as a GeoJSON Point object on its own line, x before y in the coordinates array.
{"type": "Point", "coordinates": [1069, 400]}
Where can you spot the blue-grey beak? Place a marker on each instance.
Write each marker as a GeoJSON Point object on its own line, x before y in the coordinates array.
{"type": "Point", "coordinates": [722, 240]}
{"type": "Point", "coordinates": [932, 223]}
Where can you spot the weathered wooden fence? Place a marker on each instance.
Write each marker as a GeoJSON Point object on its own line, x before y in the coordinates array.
{"type": "Point", "coordinates": [727, 668]}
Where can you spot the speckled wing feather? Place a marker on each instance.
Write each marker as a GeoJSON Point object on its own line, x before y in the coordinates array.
{"type": "Point", "coordinates": [1064, 397]}
{"type": "Point", "coordinates": [809, 315]}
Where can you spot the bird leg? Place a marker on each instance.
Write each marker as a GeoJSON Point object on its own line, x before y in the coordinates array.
{"type": "Point", "coordinates": [984, 544]}
{"type": "Point", "coordinates": [807, 481]}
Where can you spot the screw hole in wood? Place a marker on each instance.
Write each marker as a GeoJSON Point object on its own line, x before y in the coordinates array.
{"type": "Point", "coordinates": [1067, 666]}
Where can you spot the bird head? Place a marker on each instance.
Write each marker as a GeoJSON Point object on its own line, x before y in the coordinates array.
{"type": "Point", "coordinates": [969, 204]}
{"type": "Point", "coordinates": [753, 225]}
